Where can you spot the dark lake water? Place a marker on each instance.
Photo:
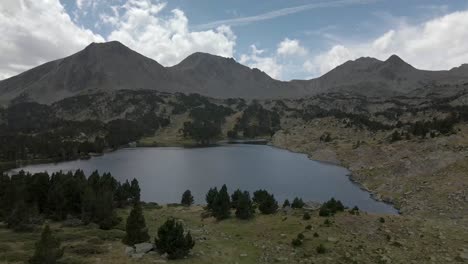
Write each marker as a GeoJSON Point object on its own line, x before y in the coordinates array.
{"type": "Point", "coordinates": [165, 173]}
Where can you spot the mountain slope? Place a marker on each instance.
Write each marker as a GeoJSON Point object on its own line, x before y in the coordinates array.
{"type": "Point", "coordinates": [112, 66]}
{"type": "Point", "coordinates": [224, 77]}
{"type": "Point", "coordinates": [103, 66]}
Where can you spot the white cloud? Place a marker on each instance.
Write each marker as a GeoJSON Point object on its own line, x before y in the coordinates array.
{"type": "Point", "coordinates": [437, 44]}
{"type": "Point", "coordinates": [291, 47]}
{"type": "Point", "coordinates": [142, 27]}
{"type": "Point", "coordinates": [265, 63]}
{"type": "Point", "coordinates": [34, 32]}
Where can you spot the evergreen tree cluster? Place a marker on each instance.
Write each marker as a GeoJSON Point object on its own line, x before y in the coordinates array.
{"type": "Point", "coordinates": [31, 131]}
{"type": "Point", "coordinates": [297, 203]}
{"type": "Point", "coordinates": [219, 203]}
{"type": "Point", "coordinates": [266, 202]}
{"type": "Point", "coordinates": [206, 122]}
{"type": "Point", "coordinates": [256, 121]}
{"type": "Point", "coordinates": [25, 198]}
{"type": "Point", "coordinates": [331, 207]}
{"type": "Point", "coordinates": [173, 241]}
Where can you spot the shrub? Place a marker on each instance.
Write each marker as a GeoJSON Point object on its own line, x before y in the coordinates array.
{"type": "Point", "coordinates": [171, 240]}
{"type": "Point", "coordinates": [187, 198]}
{"type": "Point", "coordinates": [300, 236]}
{"type": "Point", "coordinates": [327, 222]}
{"type": "Point", "coordinates": [297, 203]}
{"type": "Point", "coordinates": [354, 211]}
{"type": "Point", "coordinates": [136, 230]}
{"type": "Point", "coordinates": [308, 227]}
{"type": "Point", "coordinates": [316, 234]}
{"type": "Point", "coordinates": [321, 249]}
{"type": "Point", "coordinates": [296, 242]}
{"type": "Point", "coordinates": [382, 220]}
{"type": "Point", "coordinates": [286, 203]}
{"type": "Point", "coordinates": [48, 250]}
{"type": "Point", "coordinates": [306, 216]}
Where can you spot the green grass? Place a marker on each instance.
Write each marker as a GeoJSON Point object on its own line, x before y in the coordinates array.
{"type": "Point", "coordinates": [265, 239]}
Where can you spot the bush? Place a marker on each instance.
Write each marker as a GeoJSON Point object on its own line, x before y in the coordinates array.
{"type": "Point", "coordinates": [48, 250]}
{"type": "Point", "coordinates": [171, 240]}
{"type": "Point", "coordinates": [245, 208]}
{"type": "Point", "coordinates": [354, 211]}
{"type": "Point", "coordinates": [136, 230]}
{"type": "Point", "coordinates": [187, 198]}
{"type": "Point", "coordinates": [269, 205]}
{"type": "Point", "coordinates": [321, 249]}
{"type": "Point", "coordinates": [308, 227]}
{"type": "Point", "coordinates": [296, 242]}
{"type": "Point", "coordinates": [300, 236]}
{"type": "Point", "coordinates": [331, 207]}
{"type": "Point", "coordinates": [306, 216]}
{"type": "Point", "coordinates": [316, 234]}
{"type": "Point", "coordinates": [327, 222]}
{"type": "Point", "coordinates": [297, 203]}
{"type": "Point", "coordinates": [286, 203]}
{"type": "Point", "coordinates": [382, 220]}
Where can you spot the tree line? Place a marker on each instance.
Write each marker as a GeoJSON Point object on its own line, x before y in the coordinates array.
{"type": "Point", "coordinates": [30, 131]}
{"type": "Point", "coordinates": [27, 199]}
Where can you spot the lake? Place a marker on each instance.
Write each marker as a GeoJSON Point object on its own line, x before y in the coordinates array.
{"type": "Point", "coordinates": [164, 173]}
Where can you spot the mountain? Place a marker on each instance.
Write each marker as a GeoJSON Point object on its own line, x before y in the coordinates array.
{"type": "Point", "coordinates": [112, 66]}
{"type": "Point", "coordinates": [224, 77]}
{"type": "Point", "coordinates": [100, 66]}
{"type": "Point", "coordinates": [373, 77]}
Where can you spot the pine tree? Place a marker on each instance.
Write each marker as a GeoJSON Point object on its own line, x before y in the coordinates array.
{"type": "Point", "coordinates": [235, 197]}
{"type": "Point", "coordinates": [269, 205]}
{"type": "Point", "coordinates": [48, 250]}
{"type": "Point", "coordinates": [136, 229]}
{"type": "Point", "coordinates": [222, 204]}
{"type": "Point", "coordinates": [286, 203]}
{"type": "Point", "coordinates": [187, 198]}
{"type": "Point", "coordinates": [297, 203]}
{"type": "Point", "coordinates": [171, 240]}
{"type": "Point", "coordinates": [135, 191]}
{"type": "Point", "coordinates": [211, 197]}
{"type": "Point", "coordinates": [245, 209]}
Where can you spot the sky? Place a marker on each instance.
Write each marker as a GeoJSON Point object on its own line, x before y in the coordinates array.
{"type": "Point", "coordinates": [293, 39]}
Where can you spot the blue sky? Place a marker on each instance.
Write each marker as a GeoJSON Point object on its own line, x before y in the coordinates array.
{"type": "Point", "coordinates": [287, 39]}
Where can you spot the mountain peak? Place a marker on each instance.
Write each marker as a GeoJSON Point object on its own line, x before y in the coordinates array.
{"type": "Point", "coordinates": [111, 46]}
{"type": "Point", "coordinates": [395, 60]}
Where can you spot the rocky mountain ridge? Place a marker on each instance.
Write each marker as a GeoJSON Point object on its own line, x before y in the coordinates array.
{"type": "Point", "coordinates": [112, 66]}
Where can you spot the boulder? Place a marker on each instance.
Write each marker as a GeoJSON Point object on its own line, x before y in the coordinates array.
{"type": "Point", "coordinates": [138, 255]}
{"type": "Point", "coordinates": [143, 248]}
{"type": "Point", "coordinates": [129, 251]}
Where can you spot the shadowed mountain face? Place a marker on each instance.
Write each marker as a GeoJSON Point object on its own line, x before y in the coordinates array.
{"type": "Point", "coordinates": [112, 66]}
